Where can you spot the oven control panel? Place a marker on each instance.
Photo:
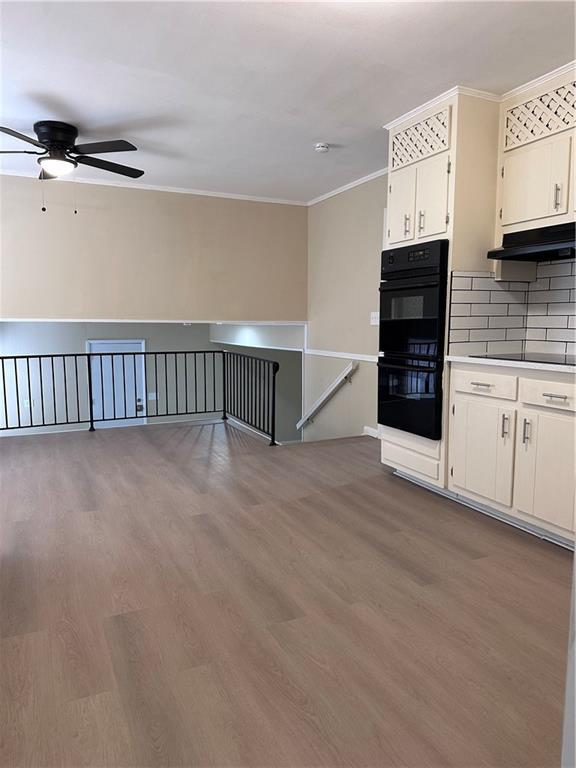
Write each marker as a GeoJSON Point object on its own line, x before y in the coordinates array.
{"type": "Point", "coordinates": [431, 256]}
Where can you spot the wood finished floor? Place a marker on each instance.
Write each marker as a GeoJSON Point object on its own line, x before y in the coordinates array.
{"type": "Point", "coordinates": [188, 596]}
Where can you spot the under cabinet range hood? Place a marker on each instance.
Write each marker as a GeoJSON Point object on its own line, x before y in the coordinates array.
{"type": "Point", "coordinates": [544, 244]}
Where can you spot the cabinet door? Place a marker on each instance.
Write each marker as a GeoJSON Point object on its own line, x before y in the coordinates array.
{"type": "Point", "coordinates": [544, 479]}
{"type": "Point", "coordinates": [536, 180]}
{"type": "Point", "coordinates": [401, 202]}
{"type": "Point", "coordinates": [432, 196]}
{"type": "Point", "coordinates": [482, 448]}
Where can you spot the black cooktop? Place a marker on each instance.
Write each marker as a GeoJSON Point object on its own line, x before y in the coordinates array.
{"type": "Point", "coordinates": [532, 357]}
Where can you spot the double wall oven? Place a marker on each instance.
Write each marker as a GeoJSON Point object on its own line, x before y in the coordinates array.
{"type": "Point", "coordinates": [412, 323]}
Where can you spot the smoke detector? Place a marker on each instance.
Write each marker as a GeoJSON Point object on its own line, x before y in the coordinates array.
{"type": "Point", "coordinates": [321, 147]}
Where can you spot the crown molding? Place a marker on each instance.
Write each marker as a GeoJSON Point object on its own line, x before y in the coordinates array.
{"type": "Point", "coordinates": [346, 187]}
{"type": "Point", "coordinates": [147, 321]}
{"type": "Point", "coordinates": [542, 80]}
{"type": "Point", "coordinates": [159, 188]}
{"type": "Point", "coordinates": [457, 90]}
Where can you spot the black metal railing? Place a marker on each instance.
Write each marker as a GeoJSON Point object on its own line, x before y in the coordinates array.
{"type": "Point", "coordinates": [89, 388]}
{"type": "Point", "coordinates": [250, 391]}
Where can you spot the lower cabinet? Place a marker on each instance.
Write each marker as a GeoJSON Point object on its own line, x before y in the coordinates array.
{"type": "Point", "coordinates": [544, 484]}
{"type": "Point", "coordinates": [512, 443]}
{"type": "Point", "coordinates": [482, 448]}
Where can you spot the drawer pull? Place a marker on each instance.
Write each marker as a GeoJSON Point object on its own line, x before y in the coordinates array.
{"type": "Point", "coordinates": [480, 384]}
{"type": "Point", "coordinates": [406, 224]}
{"type": "Point", "coordinates": [505, 420]}
{"type": "Point", "coordinates": [554, 395]}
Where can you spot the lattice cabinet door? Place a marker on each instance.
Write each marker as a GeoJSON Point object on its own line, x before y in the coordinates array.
{"type": "Point", "coordinates": [536, 179]}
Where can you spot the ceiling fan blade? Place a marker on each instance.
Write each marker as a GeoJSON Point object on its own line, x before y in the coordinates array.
{"type": "Point", "coordinates": [98, 147]}
{"type": "Point", "coordinates": [105, 165]}
{"type": "Point", "coordinates": [19, 152]}
{"type": "Point", "coordinates": [44, 176]}
{"type": "Point", "coordinates": [21, 136]}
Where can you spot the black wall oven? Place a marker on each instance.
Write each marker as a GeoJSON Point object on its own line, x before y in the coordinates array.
{"type": "Point", "coordinates": [412, 321]}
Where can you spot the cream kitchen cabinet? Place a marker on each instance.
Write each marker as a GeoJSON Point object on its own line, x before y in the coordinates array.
{"type": "Point", "coordinates": [401, 205]}
{"type": "Point", "coordinates": [535, 180]}
{"type": "Point", "coordinates": [544, 483]}
{"type": "Point", "coordinates": [482, 448]}
{"type": "Point", "coordinates": [418, 200]}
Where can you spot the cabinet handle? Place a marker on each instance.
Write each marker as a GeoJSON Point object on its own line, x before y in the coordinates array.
{"type": "Point", "coordinates": [480, 384]}
{"type": "Point", "coordinates": [505, 420]}
{"type": "Point", "coordinates": [557, 196]}
{"type": "Point", "coordinates": [525, 435]}
{"type": "Point", "coordinates": [406, 223]}
{"type": "Point", "coordinates": [421, 221]}
{"type": "Point", "coordinates": [553, 394]}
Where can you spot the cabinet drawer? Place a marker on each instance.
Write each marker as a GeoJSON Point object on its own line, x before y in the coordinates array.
{"type": "Point", "coordinates": [402, 458]}
{"type": "Point", "coordinates": [486, 384]}
{"type": "Point", "coordinates": [548, 394]}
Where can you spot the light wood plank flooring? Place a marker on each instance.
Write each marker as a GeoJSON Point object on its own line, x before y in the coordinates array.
{"type": "Point", "coordinates": [188, 596]}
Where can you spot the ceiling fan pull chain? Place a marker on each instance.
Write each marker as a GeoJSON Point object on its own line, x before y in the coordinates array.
{"type": "Point", "coordinates": [74, 195]}
{"type": "Point", "coordinates": [43, 195]}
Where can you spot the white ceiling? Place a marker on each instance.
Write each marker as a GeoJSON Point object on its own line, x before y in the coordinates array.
{"type": "Point", "coordinates": [231, 97]}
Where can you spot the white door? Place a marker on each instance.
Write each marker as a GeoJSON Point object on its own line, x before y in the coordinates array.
{"type": "Point", "coordinates": [401, 200]}
{"type": "Point", "coordinates": [536, 180]}
{"type": "Point", "coordinates": [118, 386]}
{"type": "Point", "coordinates": [544, 484]}
{"type": "Point", "coordinates": [432, 196]}
{"type": "Point", "coordinates": [482, 448]}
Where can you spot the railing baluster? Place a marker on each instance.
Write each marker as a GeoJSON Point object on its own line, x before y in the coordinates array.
{"type": "Point", "coordinates": [213, 382]}
{"type": "Point", "coordinates": [166, 383]}
{"type": "Point", "coordinates": [113, 373]}
{"type": "Point", "coordinates": [29, 392]}
{"type": "Point", "coordinates": [156, 381]}
{"type": "Point", "coordinates": [53, 390]}
{"type": "Point", "coordinates": [124, 382]}
{"type": "Point", "coordinates": [186, 381]}
{"type": "Point", "coordinates": [177, 382]}
{"type": "Point", "coordinates": [145, 396]}
{"type": "Point", "coordinates": [89, 359]}
{"type": "Point", "coordinates": [204, 370]}
{"type": "Point", "coordinates": [77, 389]}
{"type": "Point", "coordinates": [4, 395]}
{"type": "Point", "coordinates": [65, 388]}
{"type": "Point", "coordinates": [135, 386]}
{"type": "Point", "coordinates": [17, 391]}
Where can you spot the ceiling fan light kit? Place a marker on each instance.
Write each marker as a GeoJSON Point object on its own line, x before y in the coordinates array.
{"type": "Point", "coordinates": [60, 153]}
{"type": "Point", "coordinates": [56, 164]}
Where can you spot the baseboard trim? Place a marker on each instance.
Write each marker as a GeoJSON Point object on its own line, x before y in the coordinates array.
{"type": "Point", "coordinates": [370, 432]}
{"type": "Point", "coordinates": [535, 530]}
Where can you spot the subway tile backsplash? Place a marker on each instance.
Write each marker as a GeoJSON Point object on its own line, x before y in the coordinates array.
{"type": "Point", "coordinates": [489, 316]}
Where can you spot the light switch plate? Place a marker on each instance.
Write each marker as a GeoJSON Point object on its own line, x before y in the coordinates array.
{"type": "Point", "coordinates": [374, 318]}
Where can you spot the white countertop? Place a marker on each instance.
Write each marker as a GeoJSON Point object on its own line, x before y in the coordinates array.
{"type": "Point", "coordinates": [511, 363]}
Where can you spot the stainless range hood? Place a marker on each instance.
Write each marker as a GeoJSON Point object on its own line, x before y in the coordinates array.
{"type": "Point", "coordinates": [544, 244]}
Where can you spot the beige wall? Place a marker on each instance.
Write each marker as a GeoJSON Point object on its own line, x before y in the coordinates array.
{"type": "Point", "coordinates": [345, 234]}
{"type": "Point", "coordinates": [351, 409]}
{"type": "Point", "coordinates": [344, 245]}
{"type": "Point", "coordinates": [142, 255]}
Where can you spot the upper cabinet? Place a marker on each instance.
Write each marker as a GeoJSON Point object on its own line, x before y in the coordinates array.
{"type": "Point", "coordinates": [442, 180]}
{"type": "Point", "coordinates": [418, 200]}
{"type": "Point", "coordinates": [401, 205]}
{"type": "Point", "coordinates": [536, 180]}
{"type": "Point", "coordinates": [536, 157]}
{"type": "Point", "coordinates": [432, 196]}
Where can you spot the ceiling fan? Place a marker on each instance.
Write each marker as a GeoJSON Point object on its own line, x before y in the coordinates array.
{"type": "Point", "coordinates": [60, 154]}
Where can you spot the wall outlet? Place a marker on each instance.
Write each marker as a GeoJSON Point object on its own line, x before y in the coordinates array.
{"type": "Point", "coordinates": [151, 395]}
{"type": "Point", "coordinates": [27, 403]}
{"type": "Point", "coordinates": [374, 318]}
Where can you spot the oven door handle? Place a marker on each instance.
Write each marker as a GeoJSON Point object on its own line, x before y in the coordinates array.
{"type": "Point", "coordinates": [394, 366]}
{"type": "Point", "coordinates": [394, 285]}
